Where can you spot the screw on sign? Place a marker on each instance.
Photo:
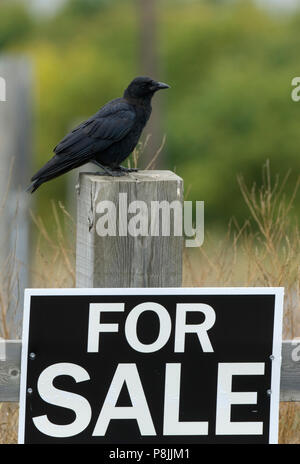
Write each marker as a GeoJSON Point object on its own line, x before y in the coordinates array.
{"type": "Point", "coordinates": [187, 377]}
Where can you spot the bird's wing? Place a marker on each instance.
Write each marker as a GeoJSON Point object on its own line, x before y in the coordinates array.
{"type": "Point", "coordinates": [109, 125]}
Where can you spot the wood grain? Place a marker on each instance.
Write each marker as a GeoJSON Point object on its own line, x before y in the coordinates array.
{"type": "Point", "coordinates": [126, 261]}
{"type": "Point", "coordinates": [10, 371]}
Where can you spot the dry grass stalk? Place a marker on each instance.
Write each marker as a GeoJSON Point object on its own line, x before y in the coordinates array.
{"type": "Point", "coordinates": [264, 251]}
{"type": "Point", "coordinates": [140, 148]}
{"type": "Point", "coordinates": [54, 260]}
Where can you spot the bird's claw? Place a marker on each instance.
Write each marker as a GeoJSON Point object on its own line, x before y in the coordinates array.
{"type": "Point", "coordinates": [122, 168]}
{"type": "Point", "coordinates": [116, 173]}
{"type": "Point", "coordinates": [119, 171]}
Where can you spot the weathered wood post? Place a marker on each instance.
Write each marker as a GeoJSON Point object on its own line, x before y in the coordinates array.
{"type": "Point", "coordinates": [142, 254]}
{"type": "Point", "coordinates": [15, 156]}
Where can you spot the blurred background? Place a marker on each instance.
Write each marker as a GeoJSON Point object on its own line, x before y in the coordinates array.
{"type": "Point", "coordinates": [229, 63]}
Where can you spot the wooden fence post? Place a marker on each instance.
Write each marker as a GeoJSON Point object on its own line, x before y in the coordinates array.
{"type": "Point", "coordinates": [124, 260]}
{"type": "Point", "coordinates": [15, 156]}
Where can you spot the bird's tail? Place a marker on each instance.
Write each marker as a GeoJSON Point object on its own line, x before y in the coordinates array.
{"type": "Point", "coordinates": [55, 167]}
{"type": "Point", "coordinates": [33, 186]}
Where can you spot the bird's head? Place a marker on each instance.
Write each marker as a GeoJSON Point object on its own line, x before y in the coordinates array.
{"type": "Point", "coordinates": [144, 87]}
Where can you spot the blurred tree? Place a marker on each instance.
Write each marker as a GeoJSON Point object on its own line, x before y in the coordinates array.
{"type": "Point", "coordinates": [149, 66]}
{"type": "Point", "coordinates": [84, 7]}
{"type": "Point", "coordinates": [231, 107]}
{"type": "Point", "coordinates": [15, 23]}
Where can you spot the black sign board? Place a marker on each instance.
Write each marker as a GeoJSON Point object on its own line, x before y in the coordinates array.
{"type": "Point", "coordinates": [151, 366]}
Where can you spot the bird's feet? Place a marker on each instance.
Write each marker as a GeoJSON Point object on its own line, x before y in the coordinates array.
{"type": "Point", "coordinates": [122, 168]}
{"type": "Point", "coordinates": [117, 171]}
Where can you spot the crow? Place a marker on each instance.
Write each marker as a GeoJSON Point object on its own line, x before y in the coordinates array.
{"type": "Point", "coordinates": [107, 138]}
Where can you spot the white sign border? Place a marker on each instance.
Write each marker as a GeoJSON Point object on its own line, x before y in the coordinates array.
{"type": "Point", "coordinates": [278, 292]}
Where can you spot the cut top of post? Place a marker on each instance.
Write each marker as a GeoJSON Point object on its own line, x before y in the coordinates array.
{"type": "Point", "coordinates": [139, 176]}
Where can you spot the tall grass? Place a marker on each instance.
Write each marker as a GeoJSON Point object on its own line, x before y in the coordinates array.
{"type": "Point", "coordinates": [263, 251]}
{"type": "Point", "coordinates": [54, 256]}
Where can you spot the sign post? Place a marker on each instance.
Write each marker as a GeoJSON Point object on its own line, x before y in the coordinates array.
{"type": "Point", "coordinates": [15, 153]}
{"type": "Point", "coordinates": [151, 366]}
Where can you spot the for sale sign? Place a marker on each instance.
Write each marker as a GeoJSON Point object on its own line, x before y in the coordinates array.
{"type": "Point", "coordinates": [158, 366]}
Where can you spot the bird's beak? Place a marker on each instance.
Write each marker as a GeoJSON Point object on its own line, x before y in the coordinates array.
{"type": "Point", "coordinates": [160, 86]}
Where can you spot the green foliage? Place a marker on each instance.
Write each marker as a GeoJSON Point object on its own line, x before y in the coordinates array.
{"type": "Point", "coordinates": [230, 69]}
{"type": "Point", "coordinates": [230, 66]}
{"type": "Point", "coordinates": [15, 23]}
{"type": "Point", "coordinates": [84, 7]}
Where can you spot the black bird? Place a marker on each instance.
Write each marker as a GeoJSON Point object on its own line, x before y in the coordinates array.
{"type": "Point", "coordinates": [107, 138]}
